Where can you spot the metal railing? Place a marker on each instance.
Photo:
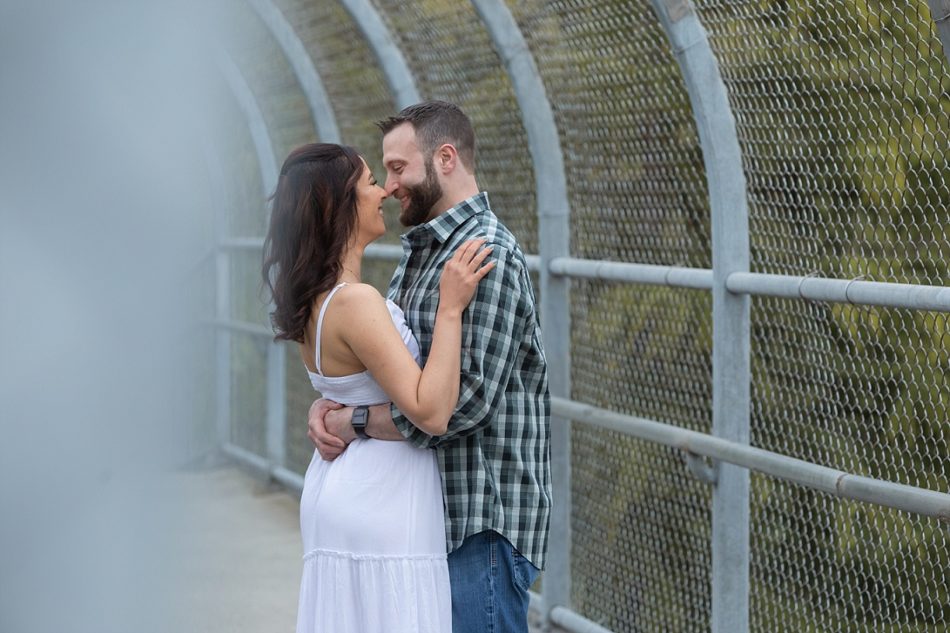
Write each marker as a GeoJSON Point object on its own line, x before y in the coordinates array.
{"type": "Point", "coordinates": [736, 375]}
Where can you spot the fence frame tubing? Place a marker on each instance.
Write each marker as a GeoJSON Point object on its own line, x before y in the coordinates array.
{"type": "Point", "coordinates": [853, 291]}
{"type": "Point", "coordinates": [276, 353]}
{"type": "Point", "coordinates": [940, 13]}
{"type": "Point", "coordinates": [731, 373]}
{"type": "Point", "coordinates": [401, 82]}
{"type": "Point", "coordinates": [730, 282]}
{"type": "Point", "coordinates": [311, 84]}
{"type": "Point", "coordinates": [544, 144]}
{"type": "Point", "coordinates": [829, 480]}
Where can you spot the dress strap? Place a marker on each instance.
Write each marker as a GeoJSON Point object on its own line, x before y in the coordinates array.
{"type": "Point", "coordinates": [319, 332]}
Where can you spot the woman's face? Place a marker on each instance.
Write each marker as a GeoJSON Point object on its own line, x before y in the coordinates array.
{"type": "Point", "coordinates": [369, 207]}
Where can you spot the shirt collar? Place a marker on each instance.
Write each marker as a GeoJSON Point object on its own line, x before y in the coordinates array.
{"type": "Point", "coordinates": [441, 227]}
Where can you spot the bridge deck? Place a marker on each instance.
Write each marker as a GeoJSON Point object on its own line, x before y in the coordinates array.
{"type": "Point", "coordinates": [242, 569]}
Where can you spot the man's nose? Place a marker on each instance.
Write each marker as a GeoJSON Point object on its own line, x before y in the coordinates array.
{"type": "Point", "coordinates": [391, 185]}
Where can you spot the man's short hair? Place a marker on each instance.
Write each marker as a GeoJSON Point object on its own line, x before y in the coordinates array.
{"type": "Point", "coordinates": [437, 123]}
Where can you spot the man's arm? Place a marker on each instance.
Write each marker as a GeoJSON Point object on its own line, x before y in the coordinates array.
{"type": "Point", "coordinates": [493, 328]}
{"type": "Point", "coordinates": [330, 426]}
{"type": "Point", "coordinates": [329, 445]}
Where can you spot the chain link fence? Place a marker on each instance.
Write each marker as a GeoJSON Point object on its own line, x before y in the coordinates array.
{"type": "Point", "coordinates": [842, 114]}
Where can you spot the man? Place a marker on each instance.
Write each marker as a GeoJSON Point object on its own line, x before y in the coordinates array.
{"type": "Point", "coordinates": [495, 457]}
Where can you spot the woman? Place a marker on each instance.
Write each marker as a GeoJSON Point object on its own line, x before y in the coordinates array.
{"type": "Point", "coordinates": [372, 520]}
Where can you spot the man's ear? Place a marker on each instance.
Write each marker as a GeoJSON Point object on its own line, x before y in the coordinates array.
{"type": "Point", "coordinates": [446, 158]}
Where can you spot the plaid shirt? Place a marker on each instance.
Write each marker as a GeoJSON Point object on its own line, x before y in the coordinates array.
{"type": "Point", "coordinates": [495, 457]}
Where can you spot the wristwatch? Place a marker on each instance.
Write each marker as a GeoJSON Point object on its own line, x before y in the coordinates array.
{"type": "Point", "coordinates": [360, 419]}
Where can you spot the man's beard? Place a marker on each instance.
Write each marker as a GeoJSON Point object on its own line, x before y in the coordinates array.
{"type": "Point", "coordinates": [422, 198]}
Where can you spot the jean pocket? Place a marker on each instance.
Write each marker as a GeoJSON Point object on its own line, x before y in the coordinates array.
{"type": "Point", "coordinates": [524, 572]}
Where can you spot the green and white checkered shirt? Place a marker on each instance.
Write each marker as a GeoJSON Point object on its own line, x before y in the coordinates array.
{"type": "Point", "coordinates": [495, 457]}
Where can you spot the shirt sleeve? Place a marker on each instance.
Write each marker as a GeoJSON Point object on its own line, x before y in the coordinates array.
{"type": "Point", "coordinates": [493, 328]}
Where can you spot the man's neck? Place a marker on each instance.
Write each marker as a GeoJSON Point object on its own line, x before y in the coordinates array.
{"type": "Point", "coordinates": [452, 200]}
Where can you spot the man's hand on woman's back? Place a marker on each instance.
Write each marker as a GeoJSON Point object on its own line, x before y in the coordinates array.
{"type": "Point", "coordinates": [327, 424]}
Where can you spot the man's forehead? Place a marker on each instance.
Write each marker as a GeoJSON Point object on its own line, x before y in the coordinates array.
{"type": "Point", "coordinates": [400, 143]}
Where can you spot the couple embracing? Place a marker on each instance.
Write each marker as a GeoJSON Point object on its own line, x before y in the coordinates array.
{"type": "Point", "coordinates": [425, 507]}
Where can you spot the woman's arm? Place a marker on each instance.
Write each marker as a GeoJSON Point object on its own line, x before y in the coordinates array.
{"type": "Point", "coordinates": [427, 396]}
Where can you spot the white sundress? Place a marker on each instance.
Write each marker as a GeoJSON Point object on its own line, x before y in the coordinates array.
{"type": "Point", "coordinates": [373, 525]}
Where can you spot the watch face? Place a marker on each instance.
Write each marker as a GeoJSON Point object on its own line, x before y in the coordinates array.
{"type": "Point", "coordinates": [360, 418]}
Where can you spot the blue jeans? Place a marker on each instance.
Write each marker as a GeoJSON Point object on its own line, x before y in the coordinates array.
{"type": "Point", "coordinates": [490, 581]}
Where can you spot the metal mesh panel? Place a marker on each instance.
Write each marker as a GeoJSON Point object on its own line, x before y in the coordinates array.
{"type": "Point", "coordinates": [271, 79]}
{"type": "Point", "coordinates": [248, 298]}
{"type": "Point", "coordinates": [643, 351]}
{"type": "Point", "coordinates": [634, 168]}
{"type": "Point", "coordinates": [822, 564]}
{"type": "Point", "coordinates": [452, 58]}
{"type": "Point", "coordinates": [641, 548]}
{"type": "Point", "coordinates": [845, 146]}
{"type": "Point", "coordinates": [350, 73]}
{"type": "Point", "coordinates": [245, 196]}
{"type": "Point", "coordinates": [843, 122]}
{"type": "Point", "coordinates": [300, 394]}
{"type": "Point", "coordinates": [248, 391]}
{"type": "Point", "coordinates": [864, 390]}
{"type": "Point", "coordinates": [637, 193]}
{"type": "Point", "coordinates": [354, 82]}
{"type": "Point", "coordinates": [845, 137]}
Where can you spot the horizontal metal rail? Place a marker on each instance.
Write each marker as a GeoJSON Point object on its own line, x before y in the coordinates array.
{"type": "Point", "coordinates": [674, 276]}
{"type": "Point", "coordinates": [241, 243]}
{"type": "Point", "coordinates": [373, 251]}
{"type": "Point", "coordinates": [565, 618]}
{"type": "Point", "coordinates": [853, 291]}
{"type": "Point", "coordinates": [288, 478]}
{"type": "Point", "coordinates": [243, 326]}
{"type": "Point", "coordinates": [835, 482]}
{"type": "Point", "coordinates": [574, 622]}
{"type": "Point", "coordinates": [383, 251]}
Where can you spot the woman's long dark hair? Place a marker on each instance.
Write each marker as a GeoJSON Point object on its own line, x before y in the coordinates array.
{"type": "Point", "coordinates": [313, 215]}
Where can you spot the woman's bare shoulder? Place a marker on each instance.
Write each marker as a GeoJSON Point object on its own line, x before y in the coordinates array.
{"type": "Point", "coordinates": [359, 295]}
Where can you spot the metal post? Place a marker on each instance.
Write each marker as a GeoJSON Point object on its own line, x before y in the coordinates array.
{"type": "Point", "coordinates": [276, 404]}
{"type": "Point", "coordinates": [730, 244]}
{"type": "Point", "coordinates": [940, 10]}
{"type": "Point", "coordinates": [264, 149]}
{"type": "Point", "coordinates": [554, 237]}
{"type": "Point", "coordinates": [390, 58]}
{"type": "Point", "coordinates": [223, 348]}
{"type": "Point", "coordinates": [321, 110]}
{"type": "Point", "coordinates": [222, 294]}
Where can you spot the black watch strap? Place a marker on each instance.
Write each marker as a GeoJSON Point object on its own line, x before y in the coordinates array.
{"type": "Point", "coordinates": [360, 419]}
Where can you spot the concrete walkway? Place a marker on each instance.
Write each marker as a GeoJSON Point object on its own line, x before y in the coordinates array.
{"type": "Point", "coordinates": [241, 562]}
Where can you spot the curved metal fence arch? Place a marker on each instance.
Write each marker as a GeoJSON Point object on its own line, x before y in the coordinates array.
{"type": "Point", "coordinates": [554, 241]}
{"type": "Point", "coordinates": [320, 107]}
{"type": "Point", "coordinates": [731, 313]}
{"type": "Point", "coordinates": [264, 148]}
{"type": "Point", "coordinates": [401, 82]}
{"type": "Point", "coordinates": [729, 281]}
{"type": "Point", "coordinates": [276, 353]}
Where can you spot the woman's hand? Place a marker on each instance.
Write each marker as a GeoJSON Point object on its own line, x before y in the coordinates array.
{"type": "Point", "coordinates": [461, 274]}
